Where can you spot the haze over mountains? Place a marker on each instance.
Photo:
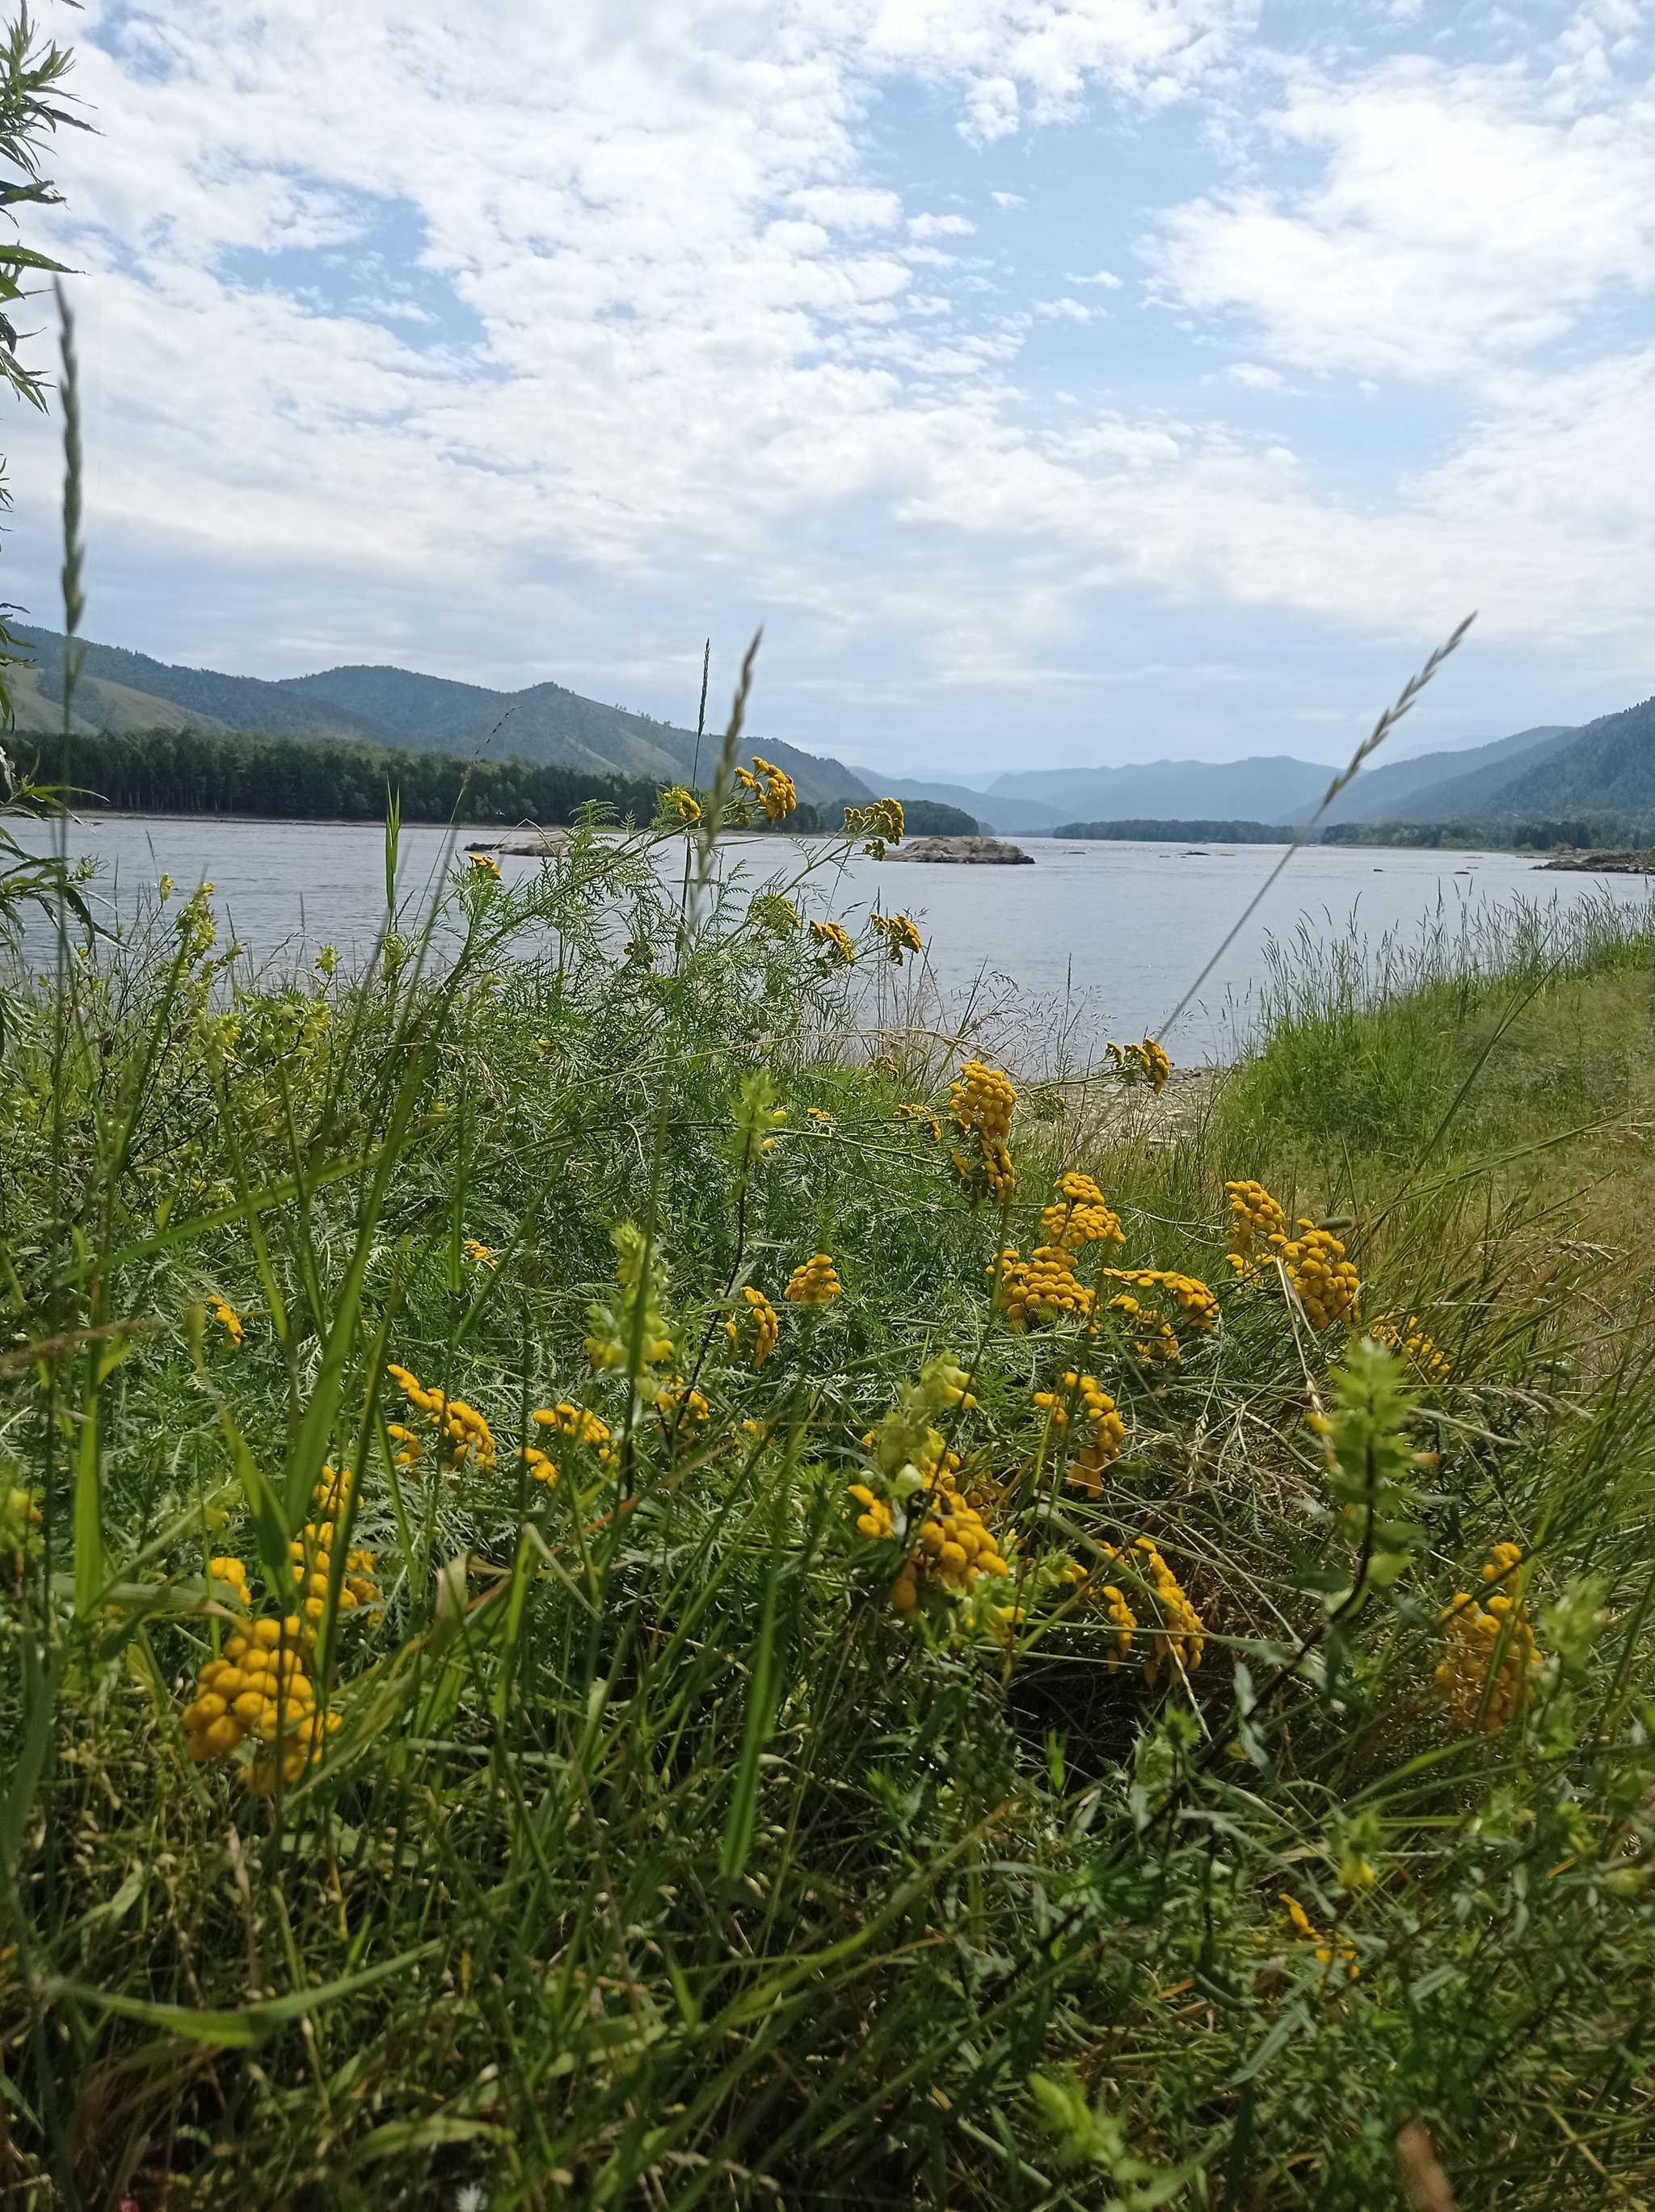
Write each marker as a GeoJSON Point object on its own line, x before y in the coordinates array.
{"type": "Point", "coordinates": [1550, 773]}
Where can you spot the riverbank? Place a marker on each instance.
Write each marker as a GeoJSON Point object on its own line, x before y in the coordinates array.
{"type": "Point", "coordinates": [808, 1687]}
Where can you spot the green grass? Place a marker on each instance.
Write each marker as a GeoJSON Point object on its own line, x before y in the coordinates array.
{"type": "Point", "coordinates": [656, 1858]}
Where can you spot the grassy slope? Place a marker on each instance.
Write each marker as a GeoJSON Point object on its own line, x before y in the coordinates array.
{"type": "Point", "coordinates": [699, 1874]}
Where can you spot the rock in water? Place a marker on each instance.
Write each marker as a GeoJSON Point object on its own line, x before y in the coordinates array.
{"type": "Point", "coordinates": [964, 852]}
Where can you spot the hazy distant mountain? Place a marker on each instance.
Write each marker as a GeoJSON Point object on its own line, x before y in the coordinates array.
{"type": "Point", "coordinates": [123, 690]}
{"type": "Point", "coordinates": [1397, 791]}
{"type": "Point", "coordinates": [1260, 790]}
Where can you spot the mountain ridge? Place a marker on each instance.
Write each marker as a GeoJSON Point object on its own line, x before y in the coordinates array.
{"type": "Point", "coordinates": [396, 708]}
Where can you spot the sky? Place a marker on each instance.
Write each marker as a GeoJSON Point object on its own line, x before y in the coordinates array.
{"type": "Point", "coordinates": [1056, 382]}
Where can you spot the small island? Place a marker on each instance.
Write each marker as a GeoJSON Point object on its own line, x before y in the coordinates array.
{"type": "Point", "coordinates": [963, 851]}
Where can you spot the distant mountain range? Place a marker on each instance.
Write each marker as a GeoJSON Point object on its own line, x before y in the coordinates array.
{"type": "Point", "coordinates": [546, 723]}
{"type": "Point", "coordinates": [1551, 773]}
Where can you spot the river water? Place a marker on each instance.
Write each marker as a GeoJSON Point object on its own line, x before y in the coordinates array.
{"type": "Point", "coordinates": [1092, 940]}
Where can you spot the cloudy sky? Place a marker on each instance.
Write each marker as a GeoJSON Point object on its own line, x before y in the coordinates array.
{"type": "Point", "coordinates": [1058, 381]}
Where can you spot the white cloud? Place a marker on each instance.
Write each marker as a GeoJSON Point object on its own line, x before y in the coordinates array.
{"type": "Point", "coordinates": [674, 341]}
{"type": "Point", "coordinates": [1462, 217]}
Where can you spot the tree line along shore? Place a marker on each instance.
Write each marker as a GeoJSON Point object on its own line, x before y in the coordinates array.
{"type": "Point", "coordinates": [197, 772]}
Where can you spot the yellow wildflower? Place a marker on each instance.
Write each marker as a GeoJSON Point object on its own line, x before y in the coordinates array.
{"type": "Point", "coordinates": [1474, 1634]}
{"type": "Point", "coordinates": [326, 960]}
{"type": "Point", "coordinates": [233, 1573]}
{"type": "Point", "coordinates": [1099, 1411]}
{"type": "Point", "coordinates": [1125, 1620]}
{"type": "Point", "coordinates": [409, 1452]}
{"type": "Point", "coordinates": [469, 1437]}
{"type": "Point", "coordinates": [1080, 1216]}
{"type": "Point", "coordinates": [1140, 1063]}
{"type": "Point", "coordinates": [259, 1688]}
{"type": "Point", "coordinates": [1197, 1306]}
{"type": "Point", "coordinates": [1041, 1291]}
{"type": "Point", "coordinates": [676, 1397]}
{"type": "Point", "coordinates": [982, 1099]}
{"type": "Point", "coordinates": [1151, 1336]}
{"type": "Point", "coordinates": [814, 1283]}
{"type": "Point", "coordinates": [926, 1119]}
{"type": "Point", "coordinates": [1180, 1634]}
{"type": "Point", "coordinates": [564, 1419]}
{"type": "Point", "coordinates": [312, 1555]}
{"type": "Point", "coordinates": [483, 1254]}
{"type": "Point", "coordinates": [486, 864]}
{"type": "Point", "coordinates": [1410, 1339]}
{"type": "Point", "coordinates": [773, 787]}
{"type": "Point", "coordinates": [678, 806]}
{"type": "Point", "coordinates": [226, 1318]}
{"type": "Point", "coordinates": [837, 949]}
{"type": "Point", "coordinates": [1254, 1217]}
{"type": "Point", "coordinates": [899, 935]}
{"type": "Point", "coordinates": [760, 1318]}
{"type": "Point", "coordinates": [1328, 1949]}
{"type": "Point", "coordinates": [1324, 1280]}
{"type": "Point", "coordinates": [881, 824]}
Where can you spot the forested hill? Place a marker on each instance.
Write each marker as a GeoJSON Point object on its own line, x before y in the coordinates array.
{"type": "Point", "coordinates": [544, 724]}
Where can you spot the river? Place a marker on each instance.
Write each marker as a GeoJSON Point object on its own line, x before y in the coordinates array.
{"type": "Point", "coordinates": [1093, 939]}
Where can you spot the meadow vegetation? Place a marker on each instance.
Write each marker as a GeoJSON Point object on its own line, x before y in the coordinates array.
{"type": "Point", "coordinates": [612, 1597]}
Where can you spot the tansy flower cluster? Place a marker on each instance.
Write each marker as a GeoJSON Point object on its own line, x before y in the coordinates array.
{"type": "Point", "coordinates": [882, 824]}
{"type": "Point", "coordinates": [483, 1254]}
{"type": "Point", "coordinates": [1096, 1408]}
{"type": "Point", "coordinates": [1042, 1291]}
{"type": "Point", "coordinates": [1254, 1219]}
{"type": "Point", "coordinates": [1180, 1636]}
{"type": "Point", "coordinates": [468, 1437]}
{"type": "Point", "coordinates": [1410, 1339]}
{"type": "Point", "coordinates": [1317, 1269]}
{"type": "Point", "coordinates": [918, 1500]}
{"type": "Point", "coordinates": [899, 935]}
{"type": "Point", "coordinates": [1474, 1634]}
{"type": "Point", "coordinates": [312, 1554]}
{"type": "Point", "coordinates": [677, 1397]}
{"type": "Point", "coordinates": [1197, 1306]}
{"type": "Point", "coordinates": [1123, 1620]}
{"type": "Point", "coordinates": [1140, 1063]}
{"type": "Point", "coordinates": [756, 1326]}
{"type": "Point", "coordinates": [1328, 1949]}
{"type": "Point", "coordinates": [771, 785]}
{"type": "Point", "coordinates": [836, 948]}
{"type": "Point", "coordinates": [678, 808]}
{"type": "Point", "coordinates": [259, 1689]}
{"type": "Point", "coordinates": [226, 1318]}
{"type": "Point", "coordinates": [484, 863]}
{"type": "Point", "coordinates": [982, 1099]}
{"type": "Point", "coordinates": [575, 1422]}
{"type": "Point", "coordinates": [1149, 1333]}
{"type": "Point", "coordinates": [1079, 1216]}
{"type": "Point", "coordinates": [913, 1111]}
{"type": "Point", "coordinates": [813, 1283]}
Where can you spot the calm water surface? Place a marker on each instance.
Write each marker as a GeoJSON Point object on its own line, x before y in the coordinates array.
{"type": "Point", "coordinates": [1116, 932]}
